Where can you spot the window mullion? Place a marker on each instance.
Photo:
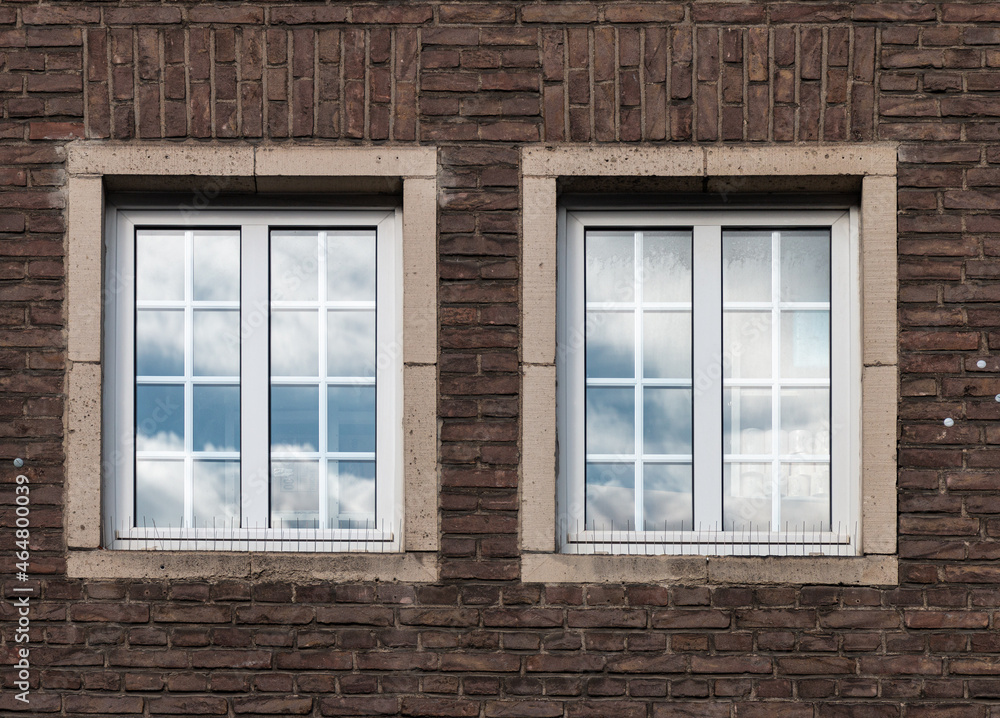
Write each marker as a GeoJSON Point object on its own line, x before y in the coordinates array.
{"type": "Point", "coordinates": [776, 372]}
{"type": "Point", "coordinates": [189, 507]}
{"type": "Point", "coordinates": [638, 484]}
{"type": "Point", "coordinates": [254, 376]}
{"type": "Point", "coordinates": [323, 484]}
{"type": "Point", "coordinates": [707, 375]}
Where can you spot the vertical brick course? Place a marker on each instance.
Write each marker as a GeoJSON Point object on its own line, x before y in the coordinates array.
{"type": "Point", "coordinates": [479, 80]}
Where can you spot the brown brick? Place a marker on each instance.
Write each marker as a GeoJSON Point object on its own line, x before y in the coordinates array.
{"type": "Point", "coordinates": [194, 705]}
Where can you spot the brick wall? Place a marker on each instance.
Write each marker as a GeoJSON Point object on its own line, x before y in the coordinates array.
{"type": "Point", "coordinates": [479, 80]}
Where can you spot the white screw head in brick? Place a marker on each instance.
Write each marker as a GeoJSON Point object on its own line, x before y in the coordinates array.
{"type": "Point", "coordinates": [19, 463]}
{"type": "Point", "coordinates": [949, 421]}
{"type": "Point", "coordinates": [981, 363]}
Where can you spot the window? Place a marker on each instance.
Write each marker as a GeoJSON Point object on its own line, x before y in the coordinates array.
{"type": "Point", "coordinates": [98, 440]}
{"type": "Point", "coordinates": [555, 543]}
{"type": "Point", "coordinates": [703, 407]}
{"type": "Point", "coordinates": [252, 353]}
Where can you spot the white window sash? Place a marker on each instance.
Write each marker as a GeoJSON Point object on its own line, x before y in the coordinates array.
{"type": "Point", "coordinates": [706, 375]}
{"type": "Point", "coordinates": [255, 382]}
{"type": "Point", "coordinates": [708, 535]}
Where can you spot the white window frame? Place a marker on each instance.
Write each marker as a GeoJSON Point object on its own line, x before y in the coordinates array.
{"type": "Point", "coordinates": [255, 383]}
{"type": "Point", "coordinates": [707, 536]}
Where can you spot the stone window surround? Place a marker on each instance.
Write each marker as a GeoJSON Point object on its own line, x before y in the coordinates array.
{"type": "Point", "coordinates": [875, 166]}
{"type": "Point", "coordinates": [92, 168]}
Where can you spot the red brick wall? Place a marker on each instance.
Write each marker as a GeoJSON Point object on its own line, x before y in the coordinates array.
{"type": "Point", "coordinates": [479, 80]}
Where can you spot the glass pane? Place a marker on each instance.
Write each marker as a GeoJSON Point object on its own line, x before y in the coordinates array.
{"type": "Point", "coordinates": [805, 265]}
{"type": "Point", "coordinates": [294, 494]}
{"type": "Point", "coordinates": [610, 420]}
{"type": "Point", "coordinates": [294, 265]}
{"type": "Point", "coordinates": [666, 266]}
{"type": "Point", "coordinates": [746, 421]}
{"type": "Point", "coordinates": [352, 494]}
{"type": "Point", "coordinates": [351, 265]}
{"type": "Point", "coordinates": [295, 343]}
{"type": "Point", "coordinates": [666, 345]}
{"type": "Point", "coordinates": [746, 266]}
{"type": "Point", "coordinates": [159, 494]}
{"type": "Point", "coordinates": [667, 497]}
{"type": "Point", "coordinates": [746, 497]}
{"type": "Point", "coordinates": [159, 264]}
{"type": "Point", "coordinates": [805, 345]}
{"type": "Point", "coordinates": [610, 266]}
{"type": "Point", "coordinates": [217, 494]}
{"type": "Point", "coordinates": [610, 497]}
{"type": "Point", "coordinates": [159, 342]}
{"type": "Point", "coordinates": [216, 265]}
{"type": "Point", "coordinates": [159, 417]}
{"type": "Point", "coordinates": [610, 344]}
{"type": "Point", "coordinates": [805, 497]}
{"type": "Point", "coordinates": [350, 343]}
{"type": "Point", "coordinates": [805, 421]}
{"type": "Point", "coordinates": [351, 418]}
{"type": "Point", "coordinates": [666, 421]}
{"type": "Point", "coordinates": [294, 418]}
{"type": "Point", "coordinates": [216, 342]}
{"type": "Point", "coordinates": [746, 341]}
{"type": "Point", "coordinates": [216, 412]}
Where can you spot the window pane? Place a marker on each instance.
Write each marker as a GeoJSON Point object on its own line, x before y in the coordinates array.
{"type": "Point", "coordinates": [159, 494]}
{"type": "Point", "coordinates": [159, 417]}
{"type": "Point", "coordinates": [216, 265]}
{"type": "Point", "coordinates": [216, 342]}
{"type": "Point", "coordinates": [746, 421]}
{"type": "Point", "coordinates": [352, 494]}
{"type": "Point", "coordinates": [351, 418]}
{"type": "Point", "coordinates": [217, 494]}
{"type": "Point", "coordinates": [666, 427]}
{"type": "Point", "coordinates": [159, 264]}
{"type": "Point", "coordinates": [667, 497]}
{"type": "Point", "coordinates": [295, 418]}
{"type": "Point", "coordinates": [610, 260]}
{"type": "Point", "coordinates": [216, 412]}
{"type": "Point", "coordinates": [159, 342]}
{"type": "Point", "coordinates": [610, 344]}
{"type": "Point", "coordinates": [666, 345]}
{"type": "Point", "coordinates": [746, 500]}
{"type": "Point", "coordinates": [294, 265]}
{"type": "Point", "coordinates": [350, 343]}
{"type": "Point", "coordinates": [610, 496]}
{"type": "Point", "coordinates": [666, 265]}
{"type": "Point", "coordinates": [294, 494]}
{"type": "Point", "coordinates": [610, 420]}
{"type": "Point", "coordinates": [746, 341]}
{"type": "Point", "coordinates": [805, 420]}
{"type": "Point", "coordinates": [295, 343]}
{"type": "Point", "coordinates": [351, 265]}
{"type": "Point", "coordinates": [805, 265]}
{"type": "Point", "coordinates": [746, 266]}
{"type": "Point", "coordinates": [805, 345]}
{"type": "Point", "coordinates": [805, 497]}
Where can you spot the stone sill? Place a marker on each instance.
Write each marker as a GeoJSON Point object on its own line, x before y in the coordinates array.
{"type": "Point", "coordinates": [409, 567]}
{"type": "Point", "coordinates": [871, 570]}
